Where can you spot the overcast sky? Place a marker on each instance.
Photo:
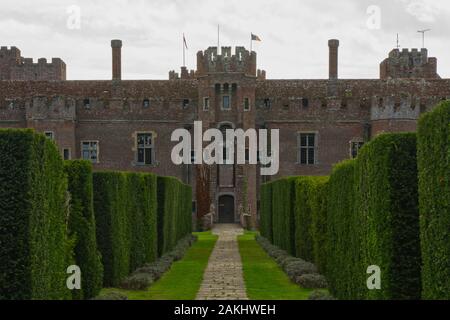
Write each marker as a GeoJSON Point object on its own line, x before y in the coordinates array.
{"type": "Point", "coordinates": [294, 33]}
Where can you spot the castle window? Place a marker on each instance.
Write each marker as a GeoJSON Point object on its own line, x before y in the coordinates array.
{"type": "Point", "coordinates": [185, 103]}
{"type": "Point", "coordinates": [146, 103]}
{"type": "Point", "coordinates": [305, 102]}
{"type": "Point", "coordinates": [226, 103]}
{"type": "Point", "coordinates": [89, 151]}
{"type": "Point", "coordinates": [246, 104]}
{"type": "Point", "coordinates": [307, 148]}
{"type": "Point", "coordinates": [355, 146]}
{"type": "Point", "coordinates": [205, 103]}
{"type": "Point", "coordinates": [66, 154]}
{"type": "Point", "coordinates": [49, 135]}
{"type": "Point", "coordinates": [145, 149]}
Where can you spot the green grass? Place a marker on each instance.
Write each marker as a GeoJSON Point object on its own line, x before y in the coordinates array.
{"type": "Point", "coordinates": [184, 278]}
{"type": "Point", "coordinates": [264, 279]}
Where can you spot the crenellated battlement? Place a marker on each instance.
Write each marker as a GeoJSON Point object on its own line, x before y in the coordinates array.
{"type": "Point", "coordinates": [15, 67]}
{"type": "Point", "coordinates": [242, 60]}
{"type": "Point", "coordinates": [407, 63]}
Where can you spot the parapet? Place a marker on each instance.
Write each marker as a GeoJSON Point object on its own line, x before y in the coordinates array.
{"type": "Point", "coordinates": [209, 61]}
{"type": "Point", "coordinates": [14, 67]}
{"type": "Point", "coordinates": [185, 74]}
{"type": "Point", "coordinates": [406, 63]}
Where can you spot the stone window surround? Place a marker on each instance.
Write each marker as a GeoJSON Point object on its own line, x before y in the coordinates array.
{"type": "Point", "coordinates": [97, 142]}
{"type": "Point", "coordinates": [316, 146]}
{"type": "Point", "coordinates": [50, 134]}
{"type": "Point", "coordinates": [135, 148]}
{"type": "Point", "coordinates": [351, 142]}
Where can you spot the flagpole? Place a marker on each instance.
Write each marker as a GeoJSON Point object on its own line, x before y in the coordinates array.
{"type": "Point", "coordinates": [218, 38]}
{"type": "Point", "coordinates": [184, 52]}
{"type": "Point", "coordinates": [251, 43]}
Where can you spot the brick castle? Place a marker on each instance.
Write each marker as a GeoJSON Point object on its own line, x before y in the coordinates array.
{"type": "Point", "coordinates": [127, 125]}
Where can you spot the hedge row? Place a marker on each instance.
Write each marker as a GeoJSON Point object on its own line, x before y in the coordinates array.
{"type": "Point", "coordinates": [81, 227]}
{"type": "Point", "coordinates": [292, 213]}
{"type": "Point", "coordinates": [174, 213]}
{"type": "Point", "coordinates": [343, 267]}
{"type": "Point", "coordinates": [34, 250]}
{"type": "Point", "coordinates": [386, 202]}
{"type": "Point", "coordinates": [125, 210]}
{"type": "Point", "coordinates": [283, 222]}
{"type": "Point", "coordinates": [366, 215]}
{"type": "Point", "coordinates": [47, 220]}
{"type": "Point", "coordinates": [434, 201]}
{"type": "Point", "coordinates": [265, 225]}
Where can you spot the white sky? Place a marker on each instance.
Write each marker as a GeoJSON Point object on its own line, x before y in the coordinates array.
{"type": "Point", "coordinates": [294, 33]}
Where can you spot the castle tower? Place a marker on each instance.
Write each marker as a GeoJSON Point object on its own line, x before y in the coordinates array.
{"type": "Point", "coordinates": [409, 64]}
{"type": "Point", "coordinates": [226, 86]}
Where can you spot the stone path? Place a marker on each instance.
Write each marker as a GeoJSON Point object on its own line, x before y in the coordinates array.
{"type": "Point", "coordinates": [223, 278]}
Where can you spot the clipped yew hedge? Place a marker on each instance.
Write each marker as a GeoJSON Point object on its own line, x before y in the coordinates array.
{"type": "Point", "coordinates": [265, 225]}
{"type": "Point", "coordinates": [387, 202]}
{"type": "Point", "coordinates": [142, 210]}
{"type": "Point", "coordinates": [303, 219]}
{"type": "Point", "coordinates": [34, 250]}
{"type": "Point", "coordinates": [434, 200]}
{"type": "Point", "coordinates": [112, 225]}
{"type": "Point", "coordinates": [125, 209]}
{"type": "Point", "coordinates": [81, 227]}
{"type": "Point", "coordinates": [174, 212]}
{"type": "Point", "coordinates": [283, 218]}
{"type": "Point", "coordinates": [344, 271]}
{"type": "Point", "coordinates": [318, 202]}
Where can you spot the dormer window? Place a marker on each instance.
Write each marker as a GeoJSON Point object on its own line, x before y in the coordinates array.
{"type": "Point", "coordinates": [267, 103]}
{"type": "Point", "coordinates": [87, 103]}
{"type": "Point", "coordinates": [185, 103]}
{"type": "Point", "coordinates": [146, 103]}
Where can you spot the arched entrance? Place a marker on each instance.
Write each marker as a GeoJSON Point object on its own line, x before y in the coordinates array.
{"type": "Point", "coordinates": [226, 209]}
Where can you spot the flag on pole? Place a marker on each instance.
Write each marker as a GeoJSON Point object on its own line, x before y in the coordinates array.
{"type": "Point", "coordinates": [255, 37]}
{"type": "Point", "coordinates": [184, 42]}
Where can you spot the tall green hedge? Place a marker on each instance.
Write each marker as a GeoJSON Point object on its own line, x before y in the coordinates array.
{"type": "Point", "coordinates": [33, 213]}
{"type": "Point", "coordinates": [387, 202]}
{"type": "Point", "coordinates": [81, 227]}
{"type": "Point", "coordinates": [303, 219]}
{"type": "Point", "coordinates": [283, 218]}
{"type": "Point", "coordinates": [125, 207]}
{"type": "Point", "coordinates": [142, 208]}
{"type": "Point", "coordinates": [112, 225]}
{"type": "Point", "coordinates": [434, 199]}
{"type": "Point", "coordinates": [318, 202]}
{"type": "Point", "coordinates": [266, 211]}
{"type": "Point", "coordinates": [344, 271]}
{"type": "Point", "coordinates": [310, 219]}
{"type": "Point", "coordinates": [174, 212]}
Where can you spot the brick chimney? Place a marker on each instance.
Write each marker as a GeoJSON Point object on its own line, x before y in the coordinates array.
{"type": "Point", "coordinates": [116, 46]}
{"type": "Point", "coordinates": [333, 45]}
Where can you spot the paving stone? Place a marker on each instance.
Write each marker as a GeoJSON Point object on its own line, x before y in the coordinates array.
{"type": "Point", "coordinates": [223, 278]}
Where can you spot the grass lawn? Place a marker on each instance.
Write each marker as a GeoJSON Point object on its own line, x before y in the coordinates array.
{"type": "Point", "coordinates": [264, 279]}
{"type": "Point", "coordinates": [184, 278]}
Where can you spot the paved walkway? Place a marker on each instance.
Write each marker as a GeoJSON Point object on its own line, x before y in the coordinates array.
{"type": "Point", "coordinates": [223, 278]}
